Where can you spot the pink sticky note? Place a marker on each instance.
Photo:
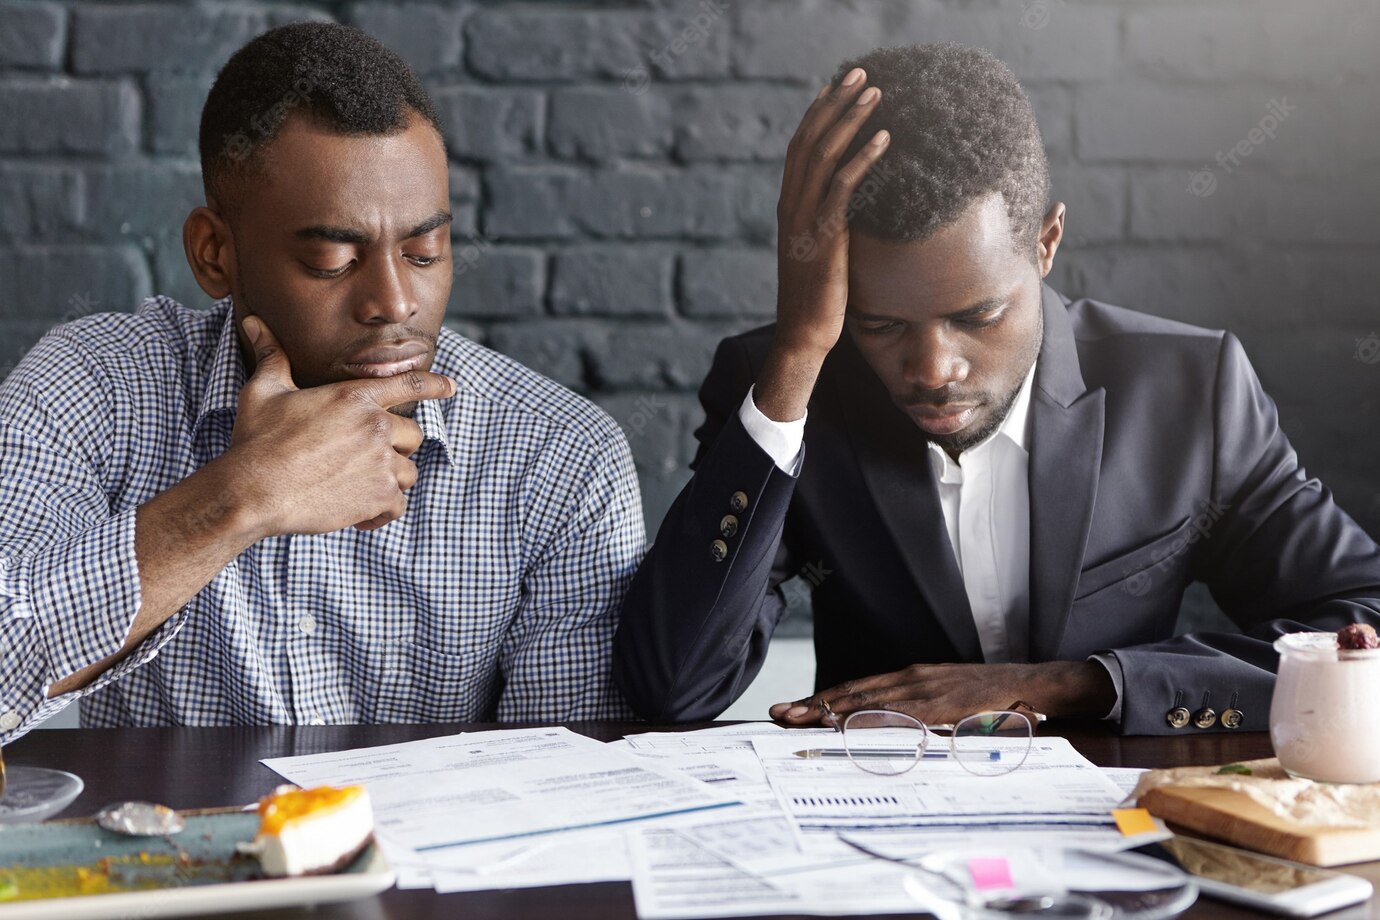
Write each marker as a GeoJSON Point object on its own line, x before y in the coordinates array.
{"type": "Point", "coordinates": [990, 872]}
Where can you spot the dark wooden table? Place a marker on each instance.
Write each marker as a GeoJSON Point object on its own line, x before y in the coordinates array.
{"type": "Point", "coordinates": [208, 767]}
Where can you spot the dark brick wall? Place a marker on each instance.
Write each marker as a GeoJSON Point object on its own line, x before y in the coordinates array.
{"type": "Point", "coordinates": [615, 171]}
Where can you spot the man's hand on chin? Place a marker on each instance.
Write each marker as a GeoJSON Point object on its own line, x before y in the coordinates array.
{"type": "Point", "coordinates": [944, 693]}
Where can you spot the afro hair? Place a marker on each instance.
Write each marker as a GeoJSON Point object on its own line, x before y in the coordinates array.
{"type": "Point", "coordinates": [961, 128]}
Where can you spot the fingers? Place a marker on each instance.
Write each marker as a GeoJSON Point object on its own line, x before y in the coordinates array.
{"type": "Point", "coordinates": [849, 177]}
{"type": "Point", "coordinates": [879, 691]}
{"type": "Point", "coordinates": [406, 435]}
{"type": "Point", "coordinates": [412, 386]}
{"type": "Point", "coordinates": [809, 711]}
{"type": "Point", "coordinates": [405, 472]}
{"type": "Point", "coordinates": [823, 162]}
{"type": "Point", "coordinates": [831, 110]}
{"type": "Point", "coordinates": [270, 363]}
{"type": "Point", "coordinates": [820, 115]}
{"type": "Point", "coordinates": [395, 511]}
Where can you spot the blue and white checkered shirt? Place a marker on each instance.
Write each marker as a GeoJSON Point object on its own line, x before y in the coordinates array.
{"type": "Point", "coordinates": [494, 596]}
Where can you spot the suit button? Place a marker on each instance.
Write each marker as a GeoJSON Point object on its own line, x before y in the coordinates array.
{"type": "Point", "coordinates": [1205, 718]}
{"type": "Point", "coordinates": [738, 502]}
{"type": "Point", "coordinates": [728, 526]}
{"type": "Point", "coordinates": [1232, 718]}
{"type": "Point", "coordinates": [719, 550]}
{"type": "Point", "coordinates": [1177, 717]}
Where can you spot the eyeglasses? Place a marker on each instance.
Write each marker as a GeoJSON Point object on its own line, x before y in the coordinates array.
{"type": "Point", "coordinates": [985, 743]}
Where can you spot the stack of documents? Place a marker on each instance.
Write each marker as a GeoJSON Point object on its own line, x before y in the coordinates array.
{"type": "Point", "coordinates": [727, 821]}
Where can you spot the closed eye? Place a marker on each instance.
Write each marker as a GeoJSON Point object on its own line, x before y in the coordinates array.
{"type": "Point", "coordinates": [419, 261]}
{"type": "Point", "coordinates": [328, 272]}
{"type": "Point", "coordinates": [877, 327]}
{"type": "Point", "coordinates": [987, 322]}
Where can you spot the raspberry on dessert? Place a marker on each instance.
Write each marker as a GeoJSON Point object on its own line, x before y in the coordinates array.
{"type": "Point", "coordinates": [1357, 636]}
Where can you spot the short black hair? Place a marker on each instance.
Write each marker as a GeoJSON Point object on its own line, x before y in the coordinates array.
{"type": "Point", "coordinates": [961, 128]}
{"type": "Point", "coordinates": [337, 75]}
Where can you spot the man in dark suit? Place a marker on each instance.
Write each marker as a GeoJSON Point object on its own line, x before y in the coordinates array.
{"type": "Point", "coordinates": [1000, 495]}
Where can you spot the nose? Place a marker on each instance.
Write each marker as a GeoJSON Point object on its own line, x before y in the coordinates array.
{"type": "Point", "coordinates": [932, 362]}
{"type": "Point", "coordinates": [387, 298]}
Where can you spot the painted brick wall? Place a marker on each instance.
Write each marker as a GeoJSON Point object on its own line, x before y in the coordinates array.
{"type": "Point", "coordinates": [615, 169]}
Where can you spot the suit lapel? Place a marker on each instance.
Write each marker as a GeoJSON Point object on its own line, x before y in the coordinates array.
{"type": "Point", "coordinates": [1065, 459]}
{"type": "Point", "coordinates": [893, 456]}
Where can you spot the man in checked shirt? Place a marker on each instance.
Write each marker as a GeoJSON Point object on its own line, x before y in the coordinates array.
{"type": "Point", "coordinates": [310, 503]}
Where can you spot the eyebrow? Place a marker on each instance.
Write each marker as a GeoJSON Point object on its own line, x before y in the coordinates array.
{"type": "Point", "coordinates": [351, 235]}
{"type": "Point", "coordinates": [982, 306]}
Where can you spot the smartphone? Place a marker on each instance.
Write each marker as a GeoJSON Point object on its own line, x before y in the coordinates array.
{"type": "Point", "coordinates": [1264, 882]}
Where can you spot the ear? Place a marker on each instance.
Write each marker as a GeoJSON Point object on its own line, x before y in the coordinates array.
{"type": "Point", "coordinates": [1051, 234]}
{"type": "Point", "coordinates": [210, 251]}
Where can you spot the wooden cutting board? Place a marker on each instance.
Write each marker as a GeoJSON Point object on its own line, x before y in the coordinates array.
{"type": "Point", "coordinates": [1232, 817]}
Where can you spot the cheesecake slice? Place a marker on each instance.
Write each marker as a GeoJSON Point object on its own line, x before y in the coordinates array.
{"type": "Point", "coordinates": [312, 831]}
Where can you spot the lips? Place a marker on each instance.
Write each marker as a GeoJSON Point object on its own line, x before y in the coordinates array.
{"type": "Point", "coordinates": [941, 421]}
{"type": "Point", "coordinates": [387, 361]}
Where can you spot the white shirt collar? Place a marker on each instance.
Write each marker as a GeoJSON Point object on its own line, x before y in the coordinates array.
{"type": "Point", "coordinates": [1015, 426]}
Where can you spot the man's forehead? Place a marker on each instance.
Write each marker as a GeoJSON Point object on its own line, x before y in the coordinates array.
{"type": "Point", "coordinates": [933, 280]}
{"type": "Point", "coordinates": [316, 177]}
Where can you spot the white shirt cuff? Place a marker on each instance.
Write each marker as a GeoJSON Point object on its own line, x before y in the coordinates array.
{"type": "Point", "coordinates": [782, 441]}
{"type": "Point", "coordinates": [1114, 671]}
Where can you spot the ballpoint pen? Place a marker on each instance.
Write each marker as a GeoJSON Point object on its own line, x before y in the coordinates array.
{"type": "Point", "coordinates": [814, 753]}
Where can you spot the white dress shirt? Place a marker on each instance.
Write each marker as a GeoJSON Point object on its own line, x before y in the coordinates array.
{"type": "Point", "coordinates": [985, 496]}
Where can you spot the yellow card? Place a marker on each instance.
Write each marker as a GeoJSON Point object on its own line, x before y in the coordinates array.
{"type": "Point", "coordinates": [1133, 821]}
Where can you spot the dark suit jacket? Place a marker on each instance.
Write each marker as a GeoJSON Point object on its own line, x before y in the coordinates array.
{"type": "Point", "coordinates": [1156, 459]}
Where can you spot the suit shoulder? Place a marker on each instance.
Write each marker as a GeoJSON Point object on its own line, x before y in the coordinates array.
{"type": "Point", "coordinates": [1128, 352]}
{"type": "Point", "coordinates": [1093, 320]}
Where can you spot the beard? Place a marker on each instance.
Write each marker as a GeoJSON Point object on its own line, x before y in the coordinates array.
{"type": "Point", "coordinates": [956, 443]}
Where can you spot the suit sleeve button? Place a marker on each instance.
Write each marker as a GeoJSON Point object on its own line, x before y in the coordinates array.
{"type": "Point", "coordinates": [1232, 718]}
{"type": "Point", "coordinates": [719, 550]}
{"type": "Point", "coordinates": [1177, 717]}
{"type": "Point", "coordinates": [738, 502]}
{"type": "Point", "coordinates": [1205, 718]}
{"type": "Point", "coordinates": [728, 526]}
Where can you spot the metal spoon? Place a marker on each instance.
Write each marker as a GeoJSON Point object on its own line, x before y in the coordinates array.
{"type": "Point", "coordinates": [140, 819]}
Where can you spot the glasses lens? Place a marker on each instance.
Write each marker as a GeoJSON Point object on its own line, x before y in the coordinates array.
{"type": "Point", "coordinates": [885, 743]}
{"type": "Point", "coordinates": [992, 743]}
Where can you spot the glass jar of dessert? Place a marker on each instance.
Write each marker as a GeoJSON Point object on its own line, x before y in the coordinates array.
{"type": "Point", "coordinates": [1325, 703]}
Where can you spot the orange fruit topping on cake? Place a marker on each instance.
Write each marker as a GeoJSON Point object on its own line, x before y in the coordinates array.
{"type": "Point", "coordinates": [312, 831]}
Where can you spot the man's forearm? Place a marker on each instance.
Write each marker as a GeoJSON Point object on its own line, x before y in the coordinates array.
{"type": "Point", "coordinates": [183, 538]}
{"type": "Point", "coordinates": [782, 391]}
{"type": "Point", "coordinates": [1073, 689]}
